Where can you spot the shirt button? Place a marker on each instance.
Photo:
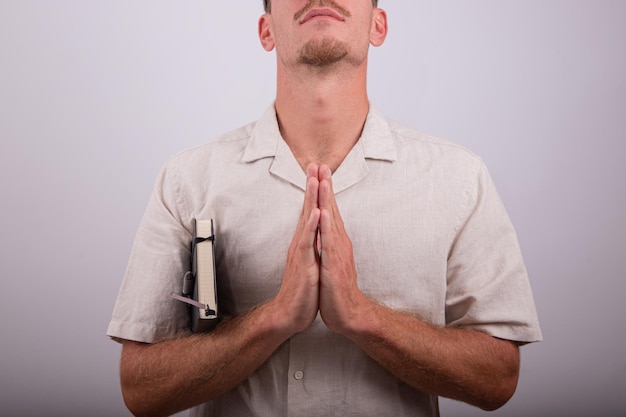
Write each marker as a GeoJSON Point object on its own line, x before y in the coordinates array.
{"type": "Point", "coordinates": [298, 375]}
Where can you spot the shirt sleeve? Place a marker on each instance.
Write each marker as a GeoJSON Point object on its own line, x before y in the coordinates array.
{"type": "Point", "coordinates": [487, 283]}
{"type": "Point", "coordinates": [144, 310]}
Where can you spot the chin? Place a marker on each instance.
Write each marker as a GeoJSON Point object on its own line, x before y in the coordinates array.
{"type": "Point", "coordinates": [323, 52]}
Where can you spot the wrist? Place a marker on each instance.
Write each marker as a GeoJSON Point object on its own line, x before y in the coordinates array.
{"type": "Point", "coordinates": [279, 321]}
{"type": "Point", "coordinates": [364, 320]}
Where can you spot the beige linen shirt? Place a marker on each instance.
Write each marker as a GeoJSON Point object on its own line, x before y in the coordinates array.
{"type": "Point", "coordinates": [430, 234]}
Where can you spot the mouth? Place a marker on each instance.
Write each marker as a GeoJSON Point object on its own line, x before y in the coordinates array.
{"type": "Point", "coordinates": [322, 13]}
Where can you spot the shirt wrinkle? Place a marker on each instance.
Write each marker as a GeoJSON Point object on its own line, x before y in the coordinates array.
{"type": "Point", "coordinates": [409, 205]}
{"type": "Point", "coordinates": [470, 194]}
{"type": "Point", "coordinates": [180, 198]}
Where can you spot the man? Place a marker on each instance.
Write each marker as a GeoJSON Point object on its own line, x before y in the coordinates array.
{"type": "Point", "coordinates": [367, 268]}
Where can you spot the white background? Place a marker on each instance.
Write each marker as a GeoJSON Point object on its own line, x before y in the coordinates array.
{"type": "Point", "coordinates": [96, 95]}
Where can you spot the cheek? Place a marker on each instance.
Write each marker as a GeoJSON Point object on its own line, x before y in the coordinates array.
{"type": "Point", "coordinates": [360, 38]}
{"type": "Point", "coordinates": [284, 43]}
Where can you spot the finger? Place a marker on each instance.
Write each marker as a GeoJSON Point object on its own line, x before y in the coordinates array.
{"type": "Point", "coordinates": [325, 172]}
{"type": "Point", "coordinates": [311, 193]}
{"type": "Point", "coordinates": [312, 170]}
{"type": "Point", "coordinates": [325, 176]}
{"type": "Point", "coordinates": [312, 174]}
{"type": "Point", "coordinates": [328, 202]}
{"type": "Point", "coordinates": [326, 194]}
{"type": "Point", "coordinates": [310, 228]}
{"type": "Point", "coordinates": [307, 239]}
{"type": "Point", "coordinates": [326, 227]}
{"type": "Point", "coordinates": [313, 223]}
{"type": "Point", "coordinates": [318, 242]}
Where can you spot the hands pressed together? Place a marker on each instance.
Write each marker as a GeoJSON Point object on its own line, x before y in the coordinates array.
{"type": "Point", "coordinates": [320, 274]}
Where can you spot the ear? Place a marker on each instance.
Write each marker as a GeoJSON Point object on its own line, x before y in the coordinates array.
{"type": "Point", "coordinates": [379, 30]}
{"type": "Point", "coordinates": [265, 32]}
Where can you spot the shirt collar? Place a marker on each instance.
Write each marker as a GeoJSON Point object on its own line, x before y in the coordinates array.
{"type": "Point", "coordinates": [376, 142]}
{"type": "Point", "coordinates": [264, 137]}
{"type": "Point", "coordinates": [377, 137]}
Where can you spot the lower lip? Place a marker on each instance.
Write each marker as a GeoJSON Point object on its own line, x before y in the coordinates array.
{"type": "Point", "coordinates": [322, 17]}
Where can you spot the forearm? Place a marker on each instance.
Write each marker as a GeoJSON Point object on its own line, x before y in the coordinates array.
{"type": "Point", "coordinates": [167, 377]}
{"type": "Point", "coordinates": [174, 375]}
{"type": "Point", "coordinates": [465, 365]}
{"type": "Point", "coordinates": [468, 366]}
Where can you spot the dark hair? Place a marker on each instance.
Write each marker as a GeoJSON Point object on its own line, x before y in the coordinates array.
{"type": "Point", "coordinates": [267, 5]}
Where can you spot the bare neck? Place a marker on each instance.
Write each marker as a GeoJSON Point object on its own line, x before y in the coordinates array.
{"type": "Point", "coordinates": [321, 113]}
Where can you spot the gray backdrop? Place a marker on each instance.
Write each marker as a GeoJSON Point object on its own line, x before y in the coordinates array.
{"type": "Point", "coordinates": [95, 95]}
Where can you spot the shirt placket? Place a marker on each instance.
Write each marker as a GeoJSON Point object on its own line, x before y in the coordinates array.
{"type": "Point", "coordinates": [297, 397]}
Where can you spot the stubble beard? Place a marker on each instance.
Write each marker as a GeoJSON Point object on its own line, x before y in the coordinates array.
{"type": "Point", "coordinates": [321, 53]}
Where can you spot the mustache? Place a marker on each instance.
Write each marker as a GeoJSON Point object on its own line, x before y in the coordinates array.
{"type": "Point", "coordinates": [321, 3]}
